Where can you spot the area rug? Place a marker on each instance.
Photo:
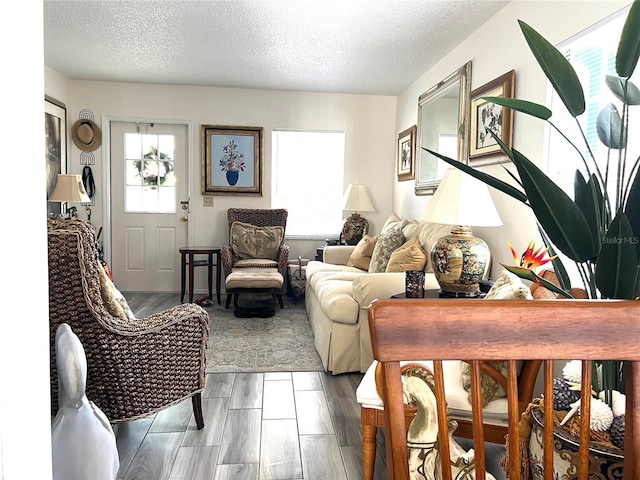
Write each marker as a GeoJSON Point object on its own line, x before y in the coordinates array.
{"type": "Point", "coordinates": [282, 343]}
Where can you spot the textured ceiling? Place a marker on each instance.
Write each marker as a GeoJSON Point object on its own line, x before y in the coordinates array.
{"type": "Point", "coordinates": [347, 46]}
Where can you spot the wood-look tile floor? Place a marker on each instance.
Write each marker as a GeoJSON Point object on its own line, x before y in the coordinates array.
{"type": "Point", "coordinates": [280, 425]}
{"type": "Point", "coordinates": [292, 425]}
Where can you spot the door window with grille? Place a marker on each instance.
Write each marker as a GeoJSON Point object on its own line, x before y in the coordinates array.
{"type": "Point", "coordinates": [150, 183]}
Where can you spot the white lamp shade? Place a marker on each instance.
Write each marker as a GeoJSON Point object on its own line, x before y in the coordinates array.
{"type": "Point", "coordinates": [462, 200]}
{"type": "Point", "coordinates": [356, 199]}
{"type": "Point", "coordinates": [69, 188]}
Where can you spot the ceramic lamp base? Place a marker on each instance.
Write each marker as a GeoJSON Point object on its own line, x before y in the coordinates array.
{"type": "Point", "coordinates": [354, 228]}
{"type": "Point", "coordinates": [459, 262]}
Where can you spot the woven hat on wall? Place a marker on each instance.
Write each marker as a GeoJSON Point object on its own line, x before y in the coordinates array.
{"type": "Point", "coordinates": [86, 135]}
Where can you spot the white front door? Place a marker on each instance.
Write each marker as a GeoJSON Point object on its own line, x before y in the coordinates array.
{"type": "Point", "coordinates": [149, 205]}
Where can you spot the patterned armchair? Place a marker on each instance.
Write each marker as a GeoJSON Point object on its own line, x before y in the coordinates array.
{"type": "Point", "coordinates": [135, 367]}
{"type": "Point", "coordinates": [230, 260]}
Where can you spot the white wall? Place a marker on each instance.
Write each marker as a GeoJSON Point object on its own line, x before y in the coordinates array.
{"type": "Point", "coordinates": [25, 419]}
{"type": "Point", "coordinates": [495, 48]}
{"type": "Point", "coordinates": [368, 122]}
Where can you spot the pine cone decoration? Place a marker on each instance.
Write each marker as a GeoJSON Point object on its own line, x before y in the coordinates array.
{"type": "Point", "coordinates": [617, 431]}
{"type": "Point", "coordinates": [563, 397]}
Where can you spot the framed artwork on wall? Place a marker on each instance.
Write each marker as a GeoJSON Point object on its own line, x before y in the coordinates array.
{"type": "Point", "coordinates": [232, 159]}
{"type": "Point", "coordinates": [443, 127]}
{"type": "Point", "coordinates": [487, 116]}
{"type": "Point", "coordinates": [407, 154]}
{"type": "Point", "coordinates": [55, 131]}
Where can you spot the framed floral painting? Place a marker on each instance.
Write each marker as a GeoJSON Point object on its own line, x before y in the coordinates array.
{"type": "Point", "coordinates": [232, 159]}
{"type": "Point", "coordinates": [487, 116]}
{"type": "Point", "coordinates": [407, 154]}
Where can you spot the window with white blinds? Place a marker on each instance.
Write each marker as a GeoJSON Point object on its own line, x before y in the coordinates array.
{"type": "Point", "coordinates": [593, 55]}
{"type": "Point", "coordinates": [307, 179]}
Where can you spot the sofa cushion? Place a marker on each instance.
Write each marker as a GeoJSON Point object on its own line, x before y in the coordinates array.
{"type": "Point", "coordinates": [251, 241]}
{"type": "Point", "coordinates": [321, 269]}
{"type": "Point", "coordinates": [385, 246]}
{"type": "Point", "coordinates": [361, 255]}
{"type": "Point", "coordinates": [409, 256]}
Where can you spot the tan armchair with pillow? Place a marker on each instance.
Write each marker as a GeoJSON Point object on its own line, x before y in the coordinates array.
{"type": "Point", "coordinates": [256, 257]}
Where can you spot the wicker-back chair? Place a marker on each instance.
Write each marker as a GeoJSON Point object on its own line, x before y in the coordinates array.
{"type": "Point", "coordinates": [260, 217]}
{"type": "Point", "coordinates": [498, 330]}
{"type": "Point", "coordinates": [134, 367]}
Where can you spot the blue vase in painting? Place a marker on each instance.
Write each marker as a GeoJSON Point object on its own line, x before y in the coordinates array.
{"type": "Point", "coordinates": [232, 177]}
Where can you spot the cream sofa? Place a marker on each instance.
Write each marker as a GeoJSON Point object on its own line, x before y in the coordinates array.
{"type": "Point", "coordinates": [338, 296]}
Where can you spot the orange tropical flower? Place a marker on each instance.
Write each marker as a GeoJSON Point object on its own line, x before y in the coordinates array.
{"type": "Point", "coordinates": [531, 258]}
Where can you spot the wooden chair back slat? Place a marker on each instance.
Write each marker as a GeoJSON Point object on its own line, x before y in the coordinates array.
{"type": "Point", "coordinates": [513, 409]}
{"type": "Point", "coordinates": [476, 405]}
{"type": "Point", "coordinates": [443, 425]}
{"type": "Point", "coordinates": [545, 331]}
{"type": "Point", "coordinates": [547, 439]}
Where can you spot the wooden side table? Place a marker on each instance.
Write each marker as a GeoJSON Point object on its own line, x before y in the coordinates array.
{"type": "Point", "coordinates": [187, 254]}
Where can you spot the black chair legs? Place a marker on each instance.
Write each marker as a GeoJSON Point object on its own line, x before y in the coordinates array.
{"type": "Point", "coordinates": [228, 304]}
{"type": "Point", "coordinates": [196, 400]}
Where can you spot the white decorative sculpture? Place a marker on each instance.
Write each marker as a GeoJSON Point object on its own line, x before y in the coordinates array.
{"type": "Point", "coordinates": [83, 442]}
{"type": "Point", "coordinates": [422, 437]}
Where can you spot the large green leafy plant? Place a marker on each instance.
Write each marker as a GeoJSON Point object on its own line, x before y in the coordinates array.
{"type": "Point", "coordinates": [599, 228]}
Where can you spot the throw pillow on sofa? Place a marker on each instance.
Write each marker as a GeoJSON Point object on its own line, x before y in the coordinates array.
{"type": "Point", "coordinates": [409, 256]}
{"type": "Point", "coordinates": [393, 222]}
{"type": "Point", "coordinates": [361, 255]}
{"type": "Point", "coordinates": [387, 243]}
{"type": "Point", "coordinates": [412, 229]}
{"type": "Point", "coordinates": [251, 241]}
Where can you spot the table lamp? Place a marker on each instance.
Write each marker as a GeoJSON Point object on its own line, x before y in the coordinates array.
{"type": "Point", "coordinates": [460, 260]}
{"type": "Point", "coordinates": [69, 188]}
{"type": "Point", "coordinates": [356, 199]}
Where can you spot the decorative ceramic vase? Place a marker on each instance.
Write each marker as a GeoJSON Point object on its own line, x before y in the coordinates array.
{"type": "Point", "coordinates": [414, 283]}
{"type": "Point", "coordinates": [604, 463]}
{"type": "Point", "coordinates": [459, 262]}
{"type": "Point", "coordinates": [232, 177]}
{"type": "Point", "coordinates": [354, 229]}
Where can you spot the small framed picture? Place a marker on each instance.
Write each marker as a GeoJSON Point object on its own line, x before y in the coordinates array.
{"type": "Point", "coordinates": [407, 154]}
{"type": "Point", "coordinates": [232, 160]}
{"type": "Point", "coordinates": [487, 116]}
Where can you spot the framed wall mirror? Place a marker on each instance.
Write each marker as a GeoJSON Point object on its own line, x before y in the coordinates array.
{"type": "Point", "coordinates": [442, 127]}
